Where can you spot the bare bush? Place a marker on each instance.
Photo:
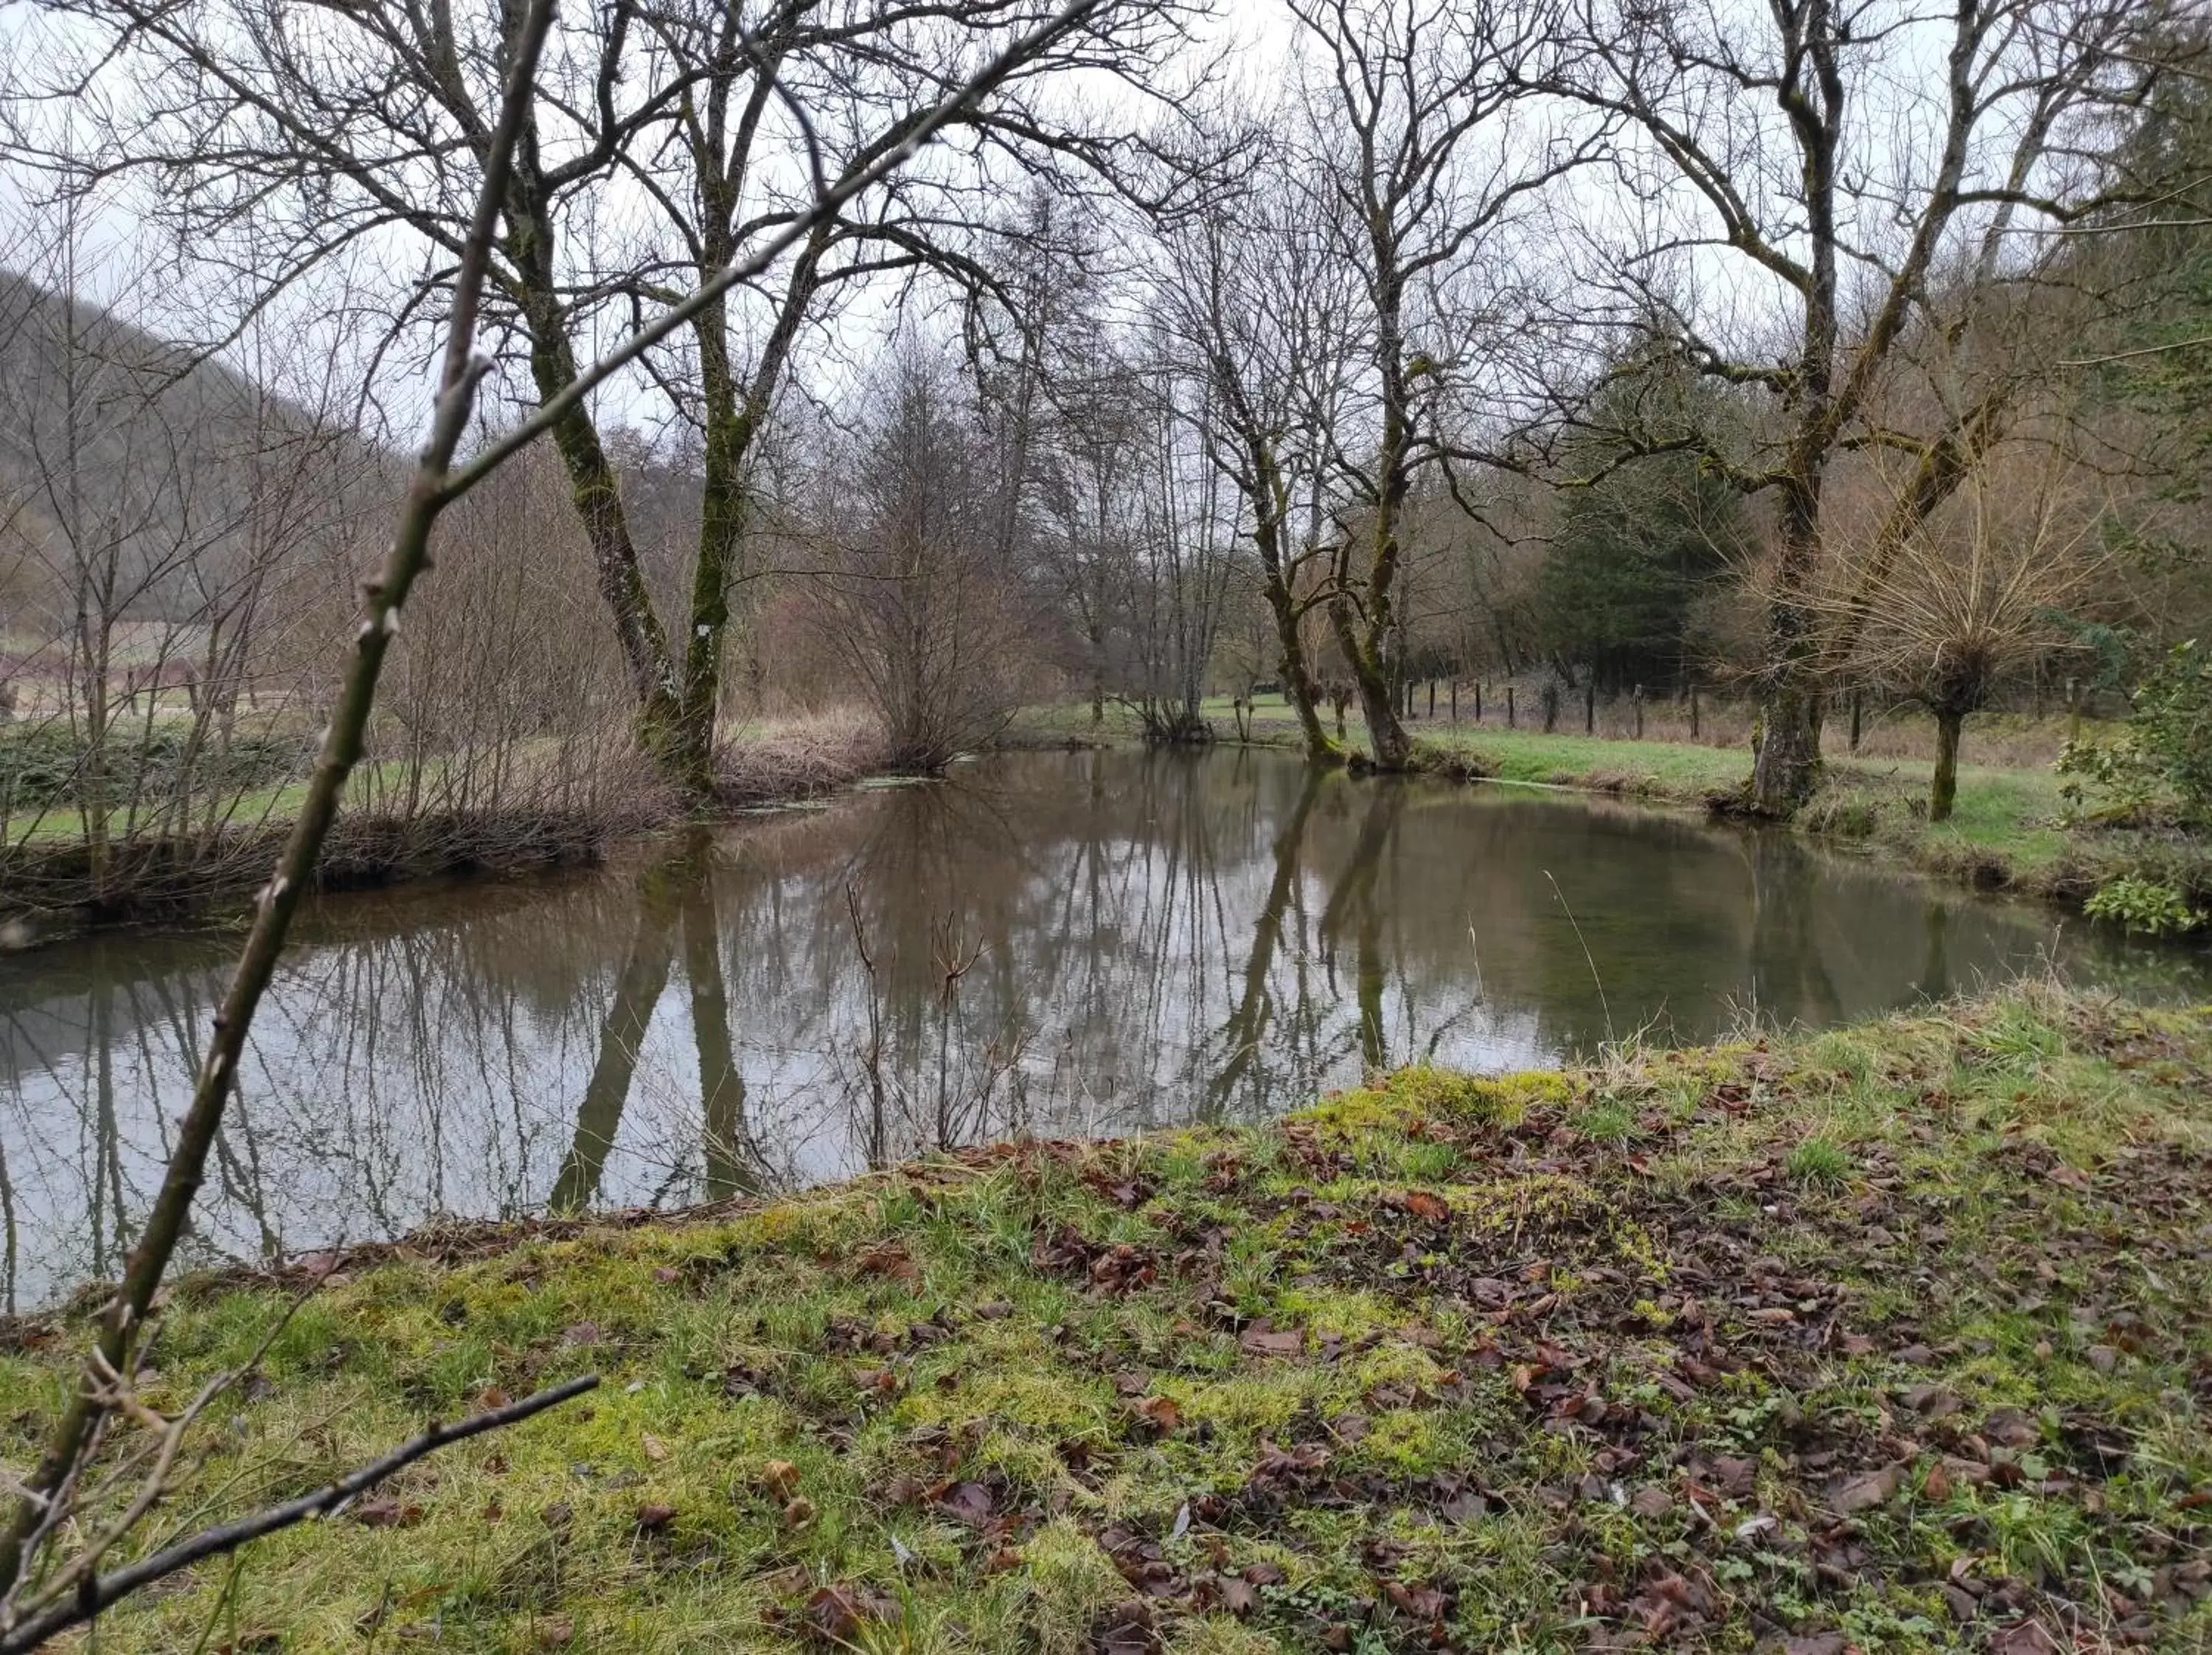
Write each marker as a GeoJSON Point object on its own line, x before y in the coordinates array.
{"type": "Point", "coordinates": [1975, 592]}
{"type": "Point", "coordinates": [927, 619]}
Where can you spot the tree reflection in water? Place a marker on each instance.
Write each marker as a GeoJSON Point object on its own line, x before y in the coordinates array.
{"type": "Point", "coordinates": [1061, 944]}
{"type": "Point", "coordinates": [675, 898]}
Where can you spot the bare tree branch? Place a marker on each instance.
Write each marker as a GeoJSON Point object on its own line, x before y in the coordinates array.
{"type": "Point", "coordinates": [101, 1591]}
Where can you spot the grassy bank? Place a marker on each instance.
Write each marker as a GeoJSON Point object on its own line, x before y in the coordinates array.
{"type": "Point", "coordinates": [2008, 830]}
{"type": "Point", "coordinates": [402, 823]}
{"type": "Point", "coordinates": [1893, 1338]}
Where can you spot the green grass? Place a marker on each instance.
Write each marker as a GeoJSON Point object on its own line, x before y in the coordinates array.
{"type": "Point", "coordinates": [256, 807]}
{"type": "Point", "coordinates": [270, 806]}
{"type": "Point", "coordinates": [2005, 817]}
{"type": "Point", "coordinates": [1893, 1335]}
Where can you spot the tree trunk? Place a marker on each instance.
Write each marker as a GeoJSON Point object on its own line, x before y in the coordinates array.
{"type": "Point", "coordinates": [734, 410]}
{"type": "Point", "coordinates": [1943, 792]}
{"type": "Point", "coordinates": [1788, 766]}
{"type": "Point", "coordinates": [1298, 686]}
{"type": "Point", "coordinates": [1378, 700]}
{"type": "Point", "coordinates": [598, 504]}
{"type": "Point", "coordinates": [725, 506]}
{"type": "Point", "coordinates": [1364, 634]}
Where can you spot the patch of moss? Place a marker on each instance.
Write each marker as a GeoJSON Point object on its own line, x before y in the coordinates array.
{"type": "Point", "coordinates": [1421, 1092]}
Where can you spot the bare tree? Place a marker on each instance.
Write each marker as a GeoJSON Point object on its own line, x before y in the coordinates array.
{"type": "Point", "coordinates": [663, 143]}
{"type": "Point", "coordinates": [917, 602]}
{"type": "Point", "coordinates": [1432, 161]}
{"type": "Point", "coordinates": [1183, 560]}
{"type": "Point", "coordinates": [1255, 298]}
{"type": "Point", "coordinates": [1076, 457]}
{"type": "Point", "coordinates": [1976, 592]}
{"type": "Point", "coordinates": [1810, 177]}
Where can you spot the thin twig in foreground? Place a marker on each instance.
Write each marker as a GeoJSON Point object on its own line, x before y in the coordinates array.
{"type": "Point", "coordinates": [100, 1591]}
{"type": "Point", "coordinates": [1588, 957]}
{"type": "Point", "coordinates": [383, 595]}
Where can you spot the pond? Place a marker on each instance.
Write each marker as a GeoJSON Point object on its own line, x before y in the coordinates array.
{"type": "Point", "coordinates": [1050, 943]}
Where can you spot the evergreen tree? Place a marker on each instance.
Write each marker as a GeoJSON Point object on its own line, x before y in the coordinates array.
{"type": "Point", "coordinates": [1633, 553]}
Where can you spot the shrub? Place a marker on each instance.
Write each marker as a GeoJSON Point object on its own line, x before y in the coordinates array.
{"type": "Point", "coordinates": [2164, 759]}
{"type": "Point", "coordinates": [1847, 815]}
{"type": "Point", "coordinates": [2145, 906]}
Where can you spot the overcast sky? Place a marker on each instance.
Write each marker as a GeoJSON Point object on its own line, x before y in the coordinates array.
{"type": "Point", "coordinates": [1255, 40]}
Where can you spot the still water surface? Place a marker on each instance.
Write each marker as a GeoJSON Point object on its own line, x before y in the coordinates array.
{"type": "Point", "coordinates": [1055, 943]}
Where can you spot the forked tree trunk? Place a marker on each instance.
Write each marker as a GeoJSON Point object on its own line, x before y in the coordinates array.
{"type": "Point", "coordinates": [1378, 700]}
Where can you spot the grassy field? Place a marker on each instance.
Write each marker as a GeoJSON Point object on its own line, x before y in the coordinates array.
{"type": "Point", "coordinates": [252, 807]}
{"type": "Point", "coordinates": [2009, 815]}
{"type": "Point", "coordinates": [1889, 1339]}
{"type": "Point", "coordinates": [255, 807]}
{"type": "Point", "coordinates": [763, 759]}
{"type": "Point", "coordinates": [2007, 829]}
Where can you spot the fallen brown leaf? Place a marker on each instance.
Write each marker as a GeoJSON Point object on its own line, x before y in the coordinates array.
{"type": "Point", "coordinates": [1261, 1340]}
{"type": "Point", "coordinates": [1864, 1493]}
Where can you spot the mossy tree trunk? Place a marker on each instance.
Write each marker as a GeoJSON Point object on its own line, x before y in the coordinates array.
{"type": "Point", "coordinates": [677, 690]}
{"type": "Point", "coordinates": [1943, 791]}
{"type": "Point", "coordinates": [1363, 626]}
{"type": "Point", "coordinates": [1787, 766]}
{"type": "Point", "coordinates": [1299, 688]}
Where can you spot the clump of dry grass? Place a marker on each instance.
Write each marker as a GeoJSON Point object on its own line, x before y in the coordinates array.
{"type": "Point", "coordinates": [2002, 740]}
{"type": "Point", "coordinates": [799, 756]}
